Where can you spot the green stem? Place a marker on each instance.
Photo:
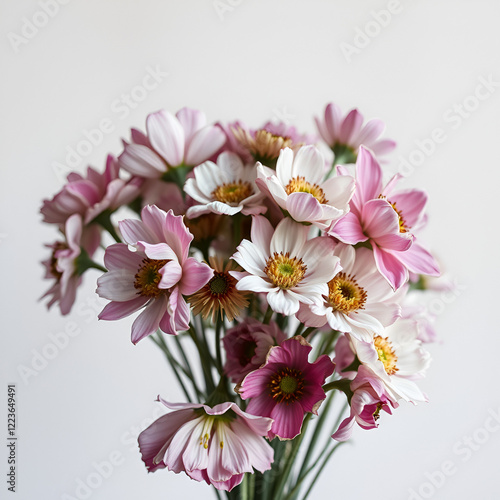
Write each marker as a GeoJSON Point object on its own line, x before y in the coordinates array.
{"type": "Point", "coordinates": [299, 329]}
{"type": "Point", "coordinates": [104, 220]}
{"type": "Point", "coordinates": [218, 329]}
{"type": "Point", "coordinates": [343, 385]}
{"type": "Point", "coordinates": [173, 364]}
{"type": "Point", "coordinates": [278, 491]}
{"type": "Point", "coordinates": [308, 332]}
{"type": "Point", "coordinates": [209, 382]}
{"type": "Point", "coordinates": [267, 316]}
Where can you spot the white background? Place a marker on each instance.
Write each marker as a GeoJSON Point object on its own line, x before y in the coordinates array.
{"type": "Point", "coordinates": [254, 61]}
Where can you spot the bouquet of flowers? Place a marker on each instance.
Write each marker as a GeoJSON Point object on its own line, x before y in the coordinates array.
{"type": "Point", "coordinates": [279, 277]}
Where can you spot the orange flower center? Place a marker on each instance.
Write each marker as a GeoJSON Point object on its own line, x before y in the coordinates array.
{"type": "Point", "coordinates": [285, 271]}
{"type": "Point", "coordinates": [386, 354]}
{"type": "Point", "coordinates": [345, 295]}
{"type": "Point", "coordinates": [300, 185]}
{"type": "Point", "coordinates": [232, 193]}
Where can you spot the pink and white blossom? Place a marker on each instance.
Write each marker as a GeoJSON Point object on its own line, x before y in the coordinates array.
{"type": "Point", "coordinates": [299, 187]}
{"type": "Point", "coordinates": [91, 195]}
{"type": "Point", "coordinates": [171, 141]}
{"type": "Point", "coordinates": [247, 345]}
{"type": "Point", "coordinates": [369, 398]}
{"type": "Point", "coordinates": [62, 266]}
{"type": "Point", "coordinates": [227, 188]}
{"type": "Point", "coordinates": [345, 134]}
{"type": "Point", "coordinates": [397, 358]}
{"type": "Point", "coordinates": [152, 270]}
{"type": "Point", "coordinates": [217, 445]}
{"type": "Point", "coordinates": [388, 221]}
{"type": "Point", "coordinates": [359, 299]}
{"type": "Point", "coordinates": [285, 265]}
{"type": "Point", "coordinates": [287, 386]}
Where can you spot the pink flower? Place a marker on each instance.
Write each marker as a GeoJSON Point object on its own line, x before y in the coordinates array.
{"type": "Point", "coordinates": [285, 265]}
{"type": "Point", "coordinates": [217, 445]}
{"type": "Point", "coordinates": [90, 196]}
{"type": "Point", "coordinates": [171, 141]}
{"type": "Point", "coordinates": [247, 345]}
{"type": "Point", "coordinates": [62, 266]}
{"type": "Point", "coordinates": [387, 220]}
{"type": "Point", "coordinates": [345, 134]}
{"type": "Point", "coordinates": [287, 386]}
{"type": "Point", "coordinates": [369, 398]}
{"type": "Point", "coordinates": [397, 359]}
{"type": "Point", "coordinates": [154, 276]}
{"type": "Point", "coordinates": [227, 187]}
{"type": "Point", "coordinates": [359, 299]}
{"type": "Point", "coordinates": [298, 187]}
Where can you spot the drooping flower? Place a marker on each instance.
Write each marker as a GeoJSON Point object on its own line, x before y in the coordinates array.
{"type": "Point", "coordinates": [388, 221]}
{"type": "Point", "coordinates": [156, 275]}
{"type": "Point", "coordinates": [397, 358]}
{"type": "Point", "coordinates": [369, 398]}
{"type": "Point", "coordinates": [227, 187]}
{"type": "Point", "coordinates": [359, 299]}
{"type": "Point", "coordinates": [285, 265]}
{"type": "Point", "coordinates": [217, 445]}
{"type": "Point", "coordinates": [298, 187]}
{"type": "Point", "coordinates": [91, 195]}
{"type": "Point", "coordinates": [62, 266]}
{"type": "Point", "coordinates": [247, 345]}
{"type": "Point", "coordinates": [287, 386]}
{"type": "Point", "coordinates": [345, 134]}
{"type": "Point", "coordinates": [219, 296]}
{"type": "Point", "coordinates": [171, 141]}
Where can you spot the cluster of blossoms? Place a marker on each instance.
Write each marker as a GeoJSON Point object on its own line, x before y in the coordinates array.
{"type": "Point", "coordinates": [293, 276]}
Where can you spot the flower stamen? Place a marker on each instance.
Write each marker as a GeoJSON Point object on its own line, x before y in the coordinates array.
{"type": "Point", "coordinates": [300, 185]}
{"type": "Point", "coordinates": [386, 354]}
{"type": "Point", "coordinates": [286, 385]}
{"type": "Point", "coordinates": [148, 277]}
{"type": "Point", "coordinates": [232, 193]}
{"type": "Point", "coordinates": [285, 271]}
{"type": "Point", "coordinates": [345, 295]}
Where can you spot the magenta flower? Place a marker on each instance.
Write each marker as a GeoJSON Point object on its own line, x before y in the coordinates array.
{"type": "Point", "coordinates": [155, 276]}
{"type": "Point", "coordinates": [285, 265]}
{"type": "Point", "coordinates": [369, 398]}
{"type": "Point", "coordinates": [247, 345]}
{"type": "Point", "coordinates": [217, 445]}
{"type": "Point", "coordinates": [90, 196]}
{"type": "Point", "coordinates": [287, 386]}
{"type": "Point", "coordinates": [62, 267]}
{"type": "Point", "coordinates": [299, 189]}
{"type": "Point", "coordinates": [345, 134]}
{"type": "Point", "coordinates": [388, 221]}
{"type": "Point", "coordinates": [171, 141]}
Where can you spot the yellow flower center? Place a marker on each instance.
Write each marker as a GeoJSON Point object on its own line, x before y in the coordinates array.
{"type": "Point", "coordinates": [386, 354]}
{"type": "Point", "coordinates": [403, 228]}
{"type": "Point", "coordinates": [300, 185]}
{"type": "Point", "coordinates": [285, 271]}
{"type": "Point", "coordinates": [148, 277]}
{"type": "Point", "coordinates": [345, 295]}
{"type": "Point", "coordinates": [233, 192]}
{"type": "Point", "coordinates": [286, 385]}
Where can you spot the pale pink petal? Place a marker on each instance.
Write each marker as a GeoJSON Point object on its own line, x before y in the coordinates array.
{"type": "Point", "coordinates": [194, 276]}
{"type": "Point", "coordinates": [191, 120]}
{"type": "Point", "coordinates": [117, 285]}
{"type": "Point", "coordinates": [171, 273]}
{"type": "Point", "coordinates": [204, 144]}
{"type": "Point", "coordinates": [304, 207]}
{"type": "Point", "coordinates": [119, 310]}
{"type": "Point", "coordinates": [348, 229]}
{"type": "Point", "coordinates": [133, 230]}
{"type": "Point", "coordinates": [369, 133]}
{"type": "Point", "coordinates": [380, 219]}
{"type": "Point", "coordinates": [149, 320]}
{"type": "Point", "coordinates": [368, 176]}
{"type": "Point", "coordinates": [261, 233]}
{"type": "Point", "coordinates": [390, 267]}
{"type": "Point", "coordinates": [344, 431]}
{"type": "Point", "coordinates": [383, 146]}
{"type": "Point", "coordinates": [166, 136]}
{"type": "Point", "coordinates": [411, 203]}
{"type": "Point", "coordinates": [350, 126]}
{"type": "Point", "coordinates": [419, 260]}
{"type": "Point", "coordinates": [142, 161]}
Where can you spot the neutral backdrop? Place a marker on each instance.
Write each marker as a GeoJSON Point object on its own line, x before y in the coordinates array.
{"type": "Point", "coordinates": [418, 68]}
